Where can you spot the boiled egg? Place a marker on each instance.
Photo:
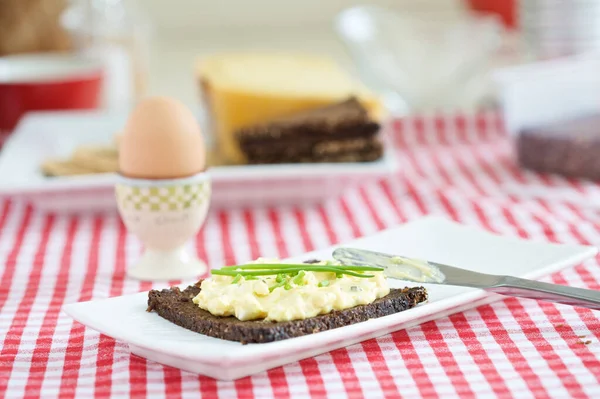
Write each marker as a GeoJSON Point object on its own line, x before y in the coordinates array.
{"type": "Point", "coordinates": [161, 140]}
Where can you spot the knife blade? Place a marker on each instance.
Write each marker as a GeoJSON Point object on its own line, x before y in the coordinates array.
{"type": "Point", "coordinates": [423, 271]}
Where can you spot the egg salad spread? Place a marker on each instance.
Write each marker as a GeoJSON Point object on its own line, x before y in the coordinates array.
{"type": "Point", "coordinates": [289, 292]}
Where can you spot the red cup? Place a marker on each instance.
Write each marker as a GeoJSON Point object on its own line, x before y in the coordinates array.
{"type": "Point", "coordinates": [39, 82]}
{"type": "Point", "coordinates": [505, 9]}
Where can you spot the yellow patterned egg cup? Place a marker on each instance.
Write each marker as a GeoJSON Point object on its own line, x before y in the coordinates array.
{"type": "Point", "coordinates": [164, 215]}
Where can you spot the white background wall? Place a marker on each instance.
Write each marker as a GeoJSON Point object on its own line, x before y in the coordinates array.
{"type": "Point", "coordinates": [197, 15]}
{"type": "Point", "coordinates": [188, 29]}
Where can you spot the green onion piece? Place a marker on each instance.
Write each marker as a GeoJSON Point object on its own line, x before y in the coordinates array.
{"type": "Point", "coordinates": [324, 283]}
{"type": "Point", "coordinates": [280, 278]}
{"type": "Point", "coordinates": [338, 275]}
{"type": "Point", "coordinates": [267, 272]}
{"type": "Point", "coordinates": [287, 286]}
{"type": "Point", "coordinates": [265, 266]}
{"type": "Point", "coordinates": [251, 278]}
{"type": "Point", "coordinates": [236, 279]}
{"type": "Point", "coordinates": [280, 284]}
{"type": "Point", "coordinates": [299, 279]}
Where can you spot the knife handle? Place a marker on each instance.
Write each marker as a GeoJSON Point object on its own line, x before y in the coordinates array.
{"type": "Point", "coordinates": [520, 287]}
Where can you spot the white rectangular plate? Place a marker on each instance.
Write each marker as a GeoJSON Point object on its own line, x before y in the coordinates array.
{"type": "Point", "coordinates": [56, 134]}
{"type": "Point", "coordinates": [152, 337]}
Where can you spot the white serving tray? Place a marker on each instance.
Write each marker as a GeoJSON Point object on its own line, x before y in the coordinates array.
{"type": "Point", "coordinates": [150, 336]}
{"type": "Point", "coordinates": [56, 134]}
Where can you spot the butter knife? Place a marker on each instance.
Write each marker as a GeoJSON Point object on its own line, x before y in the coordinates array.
{"type": "Point", "coordinates": [422, 271]}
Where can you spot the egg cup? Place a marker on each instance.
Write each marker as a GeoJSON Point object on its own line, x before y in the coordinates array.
{"type": "Point", "coordinates": [164, 215]}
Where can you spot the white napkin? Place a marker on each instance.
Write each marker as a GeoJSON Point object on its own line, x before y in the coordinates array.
{"type": "Point", "coordinates": [549, 91]}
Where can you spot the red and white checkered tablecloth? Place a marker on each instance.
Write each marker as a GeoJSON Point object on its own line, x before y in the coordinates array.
{"type": "Point", "coordinates": [456, 166]}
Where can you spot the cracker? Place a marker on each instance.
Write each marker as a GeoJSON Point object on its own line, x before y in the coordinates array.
{"type": "Point", "coordinates": [56, 168]}
{"type": "Point", "coordinates": [102, 159]}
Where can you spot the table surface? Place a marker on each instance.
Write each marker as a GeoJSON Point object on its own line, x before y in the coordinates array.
{"type": "Point", "coordinates": [455, 166]}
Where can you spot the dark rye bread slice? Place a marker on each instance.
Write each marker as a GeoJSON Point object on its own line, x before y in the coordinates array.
{"type": "Point", "coordinates": [177, 306]}
{"type": "Point", "coordinates": [347, 150]}
{"type": "Point", "coordinates": [341, 132]}
{"type": "Point", "coordinates": [345, 119]}
{"type": "Point", "coordinates": [569, 148]}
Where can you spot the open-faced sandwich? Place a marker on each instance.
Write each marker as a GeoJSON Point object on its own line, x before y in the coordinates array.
{"type": "Point", "coordinates": [267, 300]}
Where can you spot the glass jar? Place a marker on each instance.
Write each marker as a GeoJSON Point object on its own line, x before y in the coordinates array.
{"type": "Point", "coordinates": [117, 32]}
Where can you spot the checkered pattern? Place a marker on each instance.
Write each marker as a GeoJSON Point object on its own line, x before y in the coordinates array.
{"type": "Point", "coordinates": [170, 198]}
{"type": "Point", "coordinates": [457, 167]}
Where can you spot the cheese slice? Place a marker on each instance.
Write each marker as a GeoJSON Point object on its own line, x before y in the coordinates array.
{"type": "Point", "coordinates": [242, 89]}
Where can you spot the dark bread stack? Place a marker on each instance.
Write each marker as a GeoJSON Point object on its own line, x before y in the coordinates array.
{"type": "Point", "coordinates": [177, 306]}
{"type": "Point", "coordinates": [341, 132]}
{"type": "Point", "coordinates": [570, 148]}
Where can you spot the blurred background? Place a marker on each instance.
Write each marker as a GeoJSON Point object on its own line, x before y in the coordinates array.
{"type": "Point", "coordinates": [420, 54]}
{"type": "Point", "coordinates": [533, 61]}
{"type": "Point", "coordinates": [189, 29]}
{"type": "Point", "coordinates": [161, 40]}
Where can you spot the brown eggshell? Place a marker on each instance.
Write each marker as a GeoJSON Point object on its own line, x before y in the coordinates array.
{"type": "Point", "coordinates": [161, 140]}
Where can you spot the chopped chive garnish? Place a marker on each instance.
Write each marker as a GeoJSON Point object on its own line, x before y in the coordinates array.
{"type": "Point", "coordinates": [236, 279]}
{"type": "Point", "coordinates": [324, 283]}
{"type": "Point", "coordinates": [280, 284]}
{"type": "Point", "coordinates": [251, 278]}
{"type": "Point", "coordinates": [299, 279]}
{"type": "Point", "coordinates": [287, 286]}
{"type": "Point", "coordinates": [280, 278]}
{"type": "Point", "coordinates": [338, 275]}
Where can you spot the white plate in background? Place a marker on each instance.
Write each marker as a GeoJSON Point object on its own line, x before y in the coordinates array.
{"type": "Point", "coordinates": [150, 336]}
{"type": "Point", "coordinates": [56, 134]}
